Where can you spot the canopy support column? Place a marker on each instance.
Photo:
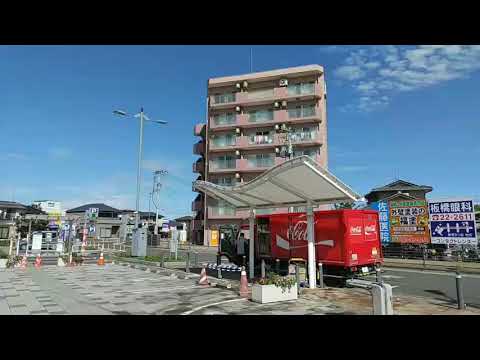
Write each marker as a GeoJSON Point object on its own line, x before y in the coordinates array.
{"type": "Point", "coordinates": [251, 229]}
{"type": "Point", "coordinates": [312, 273]}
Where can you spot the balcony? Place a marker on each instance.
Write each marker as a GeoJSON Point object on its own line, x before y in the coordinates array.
{"type": "Point", "coordinates": [306, 138]}
{"type": "Point", "coordinates": [199, 148]}
{"type": "Point", "coordinates": [199, 130]}
{"type": "Point", "coordinates": [220, 166]}
{"type": "Point", "coordinates": [199, 166]}
{"type": "Point", "coordinates": [197, 205]}
{"type": "Point", "coordinates": [292, 93]}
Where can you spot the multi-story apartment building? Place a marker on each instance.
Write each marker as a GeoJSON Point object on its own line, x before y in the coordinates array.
{"type": "Point", "coordinates": [249, 121]}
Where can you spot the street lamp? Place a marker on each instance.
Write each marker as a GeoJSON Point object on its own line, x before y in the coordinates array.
{"type": "Point", "coordinates": [143, 118]}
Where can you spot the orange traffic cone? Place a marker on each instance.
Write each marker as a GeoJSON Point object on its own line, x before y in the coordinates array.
{"type": "Point", "coordinates": [244, 292]}
{"type": "Point", "coordinates": [101, 260]}
{"type": "Point", "coordinates": [203, 277]}
{"type": "Point", "coordinates": [38, 261]}
{"type": "Point", "coordinates": [23, 264]}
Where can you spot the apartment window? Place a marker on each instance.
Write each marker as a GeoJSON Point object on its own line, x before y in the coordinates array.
{"type": "Point", "coordinates": [256, 116]}
{"type": "Point", "coordinates": [223, 140]}
{"type": "Point", "coordinates": [261, 137]}
{"type": "Point", "coordinates": [304, 88]}
{"type": "Point", "coordinates": [224, 98]}
{"type": "Point", "coordinates": [224, 119]}
{"type": "Point", "coordinates": [224, 181]}
{"type": "Point", "coordinates": [260, 160]}
{"type": "Point", "coordinates": [301, 111]}
{"type": "Point", "coordinates": [303, 134]}
{"type": "Point", "coordinates": [4, 232]}
{"type": "Point", "coordinates": [224, 162]}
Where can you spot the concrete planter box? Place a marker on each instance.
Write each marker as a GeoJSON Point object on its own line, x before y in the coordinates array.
{"type": "Point", "coordinates": [271, 293]}
{"type": "Point", "coordinates": [3, 263]}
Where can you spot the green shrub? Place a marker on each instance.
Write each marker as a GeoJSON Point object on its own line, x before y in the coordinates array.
{"type": "Point", "coordinates": [283, 282]}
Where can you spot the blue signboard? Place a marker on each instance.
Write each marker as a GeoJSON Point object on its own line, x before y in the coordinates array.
{"type": "Point", "coordinates": [384, 221]}
{"type": "Point", "coordinates": [452, 222]}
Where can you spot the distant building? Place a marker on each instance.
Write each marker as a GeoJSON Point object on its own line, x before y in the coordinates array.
{"type": "Point", "coordinates": [185, 223]}
{"type": "Point", "coordinates": [11, 213]}
{"type": "Point", "coordinates": [398, 190]}
{"type": "Point", "coordinates": [53, 208]}
{"type": "Point", "coordinates": [105, 227]}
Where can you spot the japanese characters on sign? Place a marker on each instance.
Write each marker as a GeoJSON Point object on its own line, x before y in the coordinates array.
{"type": "Point", "coordinates": [409, 221]}
{"type": "Point", "coordinates": [453, 222]}
{"type": "Point", "coordinates": [384, 219]}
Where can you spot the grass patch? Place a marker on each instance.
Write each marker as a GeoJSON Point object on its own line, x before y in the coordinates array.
{"type": "Point", "coordinates": [165, 258]}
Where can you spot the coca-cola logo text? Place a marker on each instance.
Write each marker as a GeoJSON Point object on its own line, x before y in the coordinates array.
{"type": "Point", "coordinates": [370, 229]}
{"type": "Point", "coordinates": [299, 231]}
{"type": "Point", "coordinates": [355, 230]}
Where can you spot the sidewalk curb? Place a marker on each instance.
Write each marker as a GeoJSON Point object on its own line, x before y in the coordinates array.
{"type": "Point", "coordinates": [144, 265]}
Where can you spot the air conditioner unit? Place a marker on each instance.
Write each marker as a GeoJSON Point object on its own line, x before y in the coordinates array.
{"type": "Point", "coordinates": [237, 108]}
{"type": "Point", "coordinates": [284, 103]}
{"type": "Point", "coordinates": [283, 82]}
{"type": "Point", "coordinates": [277, 104]}
{"type": "Point", "coordinates": [245, 84]}
{"type": "Point", "coordinates": [238, 85]}
{"type": "Point", "coordinates": [237, 130]}
{"type": "Point", "coordinates": [237, 152]}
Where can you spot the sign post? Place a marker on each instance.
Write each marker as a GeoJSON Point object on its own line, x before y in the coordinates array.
{"type": "Point", "coordinates": [452, 222]}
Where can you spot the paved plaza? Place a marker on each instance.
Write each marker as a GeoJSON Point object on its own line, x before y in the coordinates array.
{"type": "Point", "coordinates": [122, 290]}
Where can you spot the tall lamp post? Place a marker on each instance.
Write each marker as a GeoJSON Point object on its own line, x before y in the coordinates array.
{"type": "Point", "coordinates": [143, 118]}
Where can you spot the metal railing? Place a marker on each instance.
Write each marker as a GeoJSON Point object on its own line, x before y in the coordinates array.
{"type": "Point", "coordinates": [429, 252]}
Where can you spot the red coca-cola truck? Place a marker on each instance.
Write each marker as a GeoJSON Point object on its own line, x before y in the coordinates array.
{"type": "Point", "coordinates": [347, 242]}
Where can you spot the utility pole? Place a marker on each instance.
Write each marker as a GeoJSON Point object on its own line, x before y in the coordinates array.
{"type": "Point", "coordinates": [157, 185]}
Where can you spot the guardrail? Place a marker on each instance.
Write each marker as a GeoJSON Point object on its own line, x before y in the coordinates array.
{"type": "Point", "coordinates": [429, 253]}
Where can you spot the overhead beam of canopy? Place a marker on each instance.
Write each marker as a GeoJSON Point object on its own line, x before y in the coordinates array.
{"type": "Point", "coordinates": [296, 182]}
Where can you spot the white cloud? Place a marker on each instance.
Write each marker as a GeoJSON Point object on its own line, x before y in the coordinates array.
{"type": "Point", "coordinates": [350, 72]}
{"type": "Point", "coordinates": [59, 153]}
{"type": "Point", "coordinates": [13, 157]}
{"type": "Point", "coordinates": [377, 72]}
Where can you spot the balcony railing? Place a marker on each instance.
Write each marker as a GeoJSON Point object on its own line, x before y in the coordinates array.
{"type": "Point", "coordinates": [260, 139]}
{"type": "Point", "coordinates": [260, 162]}
{"type": "Point", "coordinates": [224, 98]}
{"type": "Point", "coordinates": [260, 116]}
{"type": "Point", "coordinates": [303, 136]}
{"type": "Point", "coordinates": [301, 112]}
{"type": "Point", "coordinates": [222, 164]}
{"type": "Point", "coordinates": [222, 142]}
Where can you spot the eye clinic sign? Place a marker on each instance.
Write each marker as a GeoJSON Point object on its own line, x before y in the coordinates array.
{"type": "Point", "coordinates": [452, 222]}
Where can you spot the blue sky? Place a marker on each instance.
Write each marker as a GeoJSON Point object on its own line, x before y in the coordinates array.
{"type": "Point", "coordinates": [393, 111]}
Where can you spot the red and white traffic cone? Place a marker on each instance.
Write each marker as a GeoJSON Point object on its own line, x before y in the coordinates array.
{"type": "Point", "coordinates": [101, 260]}
{"type": "Point", "coordinates": [203, 278]}
{"type": "Point", "coordinates": [23, 264]}
{"type": "Point", "coordinates": [244, 292]}
{"type": "Point", "coordinates": [38, 261]}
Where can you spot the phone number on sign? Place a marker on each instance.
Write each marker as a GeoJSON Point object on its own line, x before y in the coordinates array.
{"type": "Point", "coordinates": [452, 217]}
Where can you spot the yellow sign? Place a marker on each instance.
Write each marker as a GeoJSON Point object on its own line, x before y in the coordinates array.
{"type": "Point", "coordinates": [214, 238]}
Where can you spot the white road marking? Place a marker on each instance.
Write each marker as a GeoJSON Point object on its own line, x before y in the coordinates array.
{"type": "Point", "coordinates": [143, 291]}
{"type": "Point", "coordinates": [213, 304]}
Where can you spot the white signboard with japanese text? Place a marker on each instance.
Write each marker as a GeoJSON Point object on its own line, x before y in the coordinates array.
{"type": "Point", "coordinates": [453, 222]}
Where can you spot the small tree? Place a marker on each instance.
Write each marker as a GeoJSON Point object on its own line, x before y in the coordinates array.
{"type": "Point", "coordinates": [343, 205]}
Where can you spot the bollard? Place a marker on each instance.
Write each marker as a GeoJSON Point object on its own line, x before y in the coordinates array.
{"type": "Point", "coordinates": [320, 274]}
{"type": "Point", "coordinates": [378, 272]}
{"type": "Point", "coordinates": [297, 279]}
{"type": "Point", "coordinates": [219, 270]}
{"type": "Point", "coordinates": [187, 267]}
{"type": "Point", "coordinates": [424, 249]}
{"type": "Point", "coordinates": [162, 261]}
{"type": "Point", "coordinates": [277, 266]}
{"type": "Point", "coordinates": [263, 268]}
{"type": "Point", "coordinates": [244, 260]}
{"type": "Point", "coordinates": [459, 284]}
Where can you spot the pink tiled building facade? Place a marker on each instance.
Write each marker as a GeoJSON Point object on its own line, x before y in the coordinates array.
{"type": "Point", "coordinates": [249, 119]}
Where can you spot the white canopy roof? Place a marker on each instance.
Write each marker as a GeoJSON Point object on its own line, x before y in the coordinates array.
{"type": "Point", "coordinates": [296, 182]}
